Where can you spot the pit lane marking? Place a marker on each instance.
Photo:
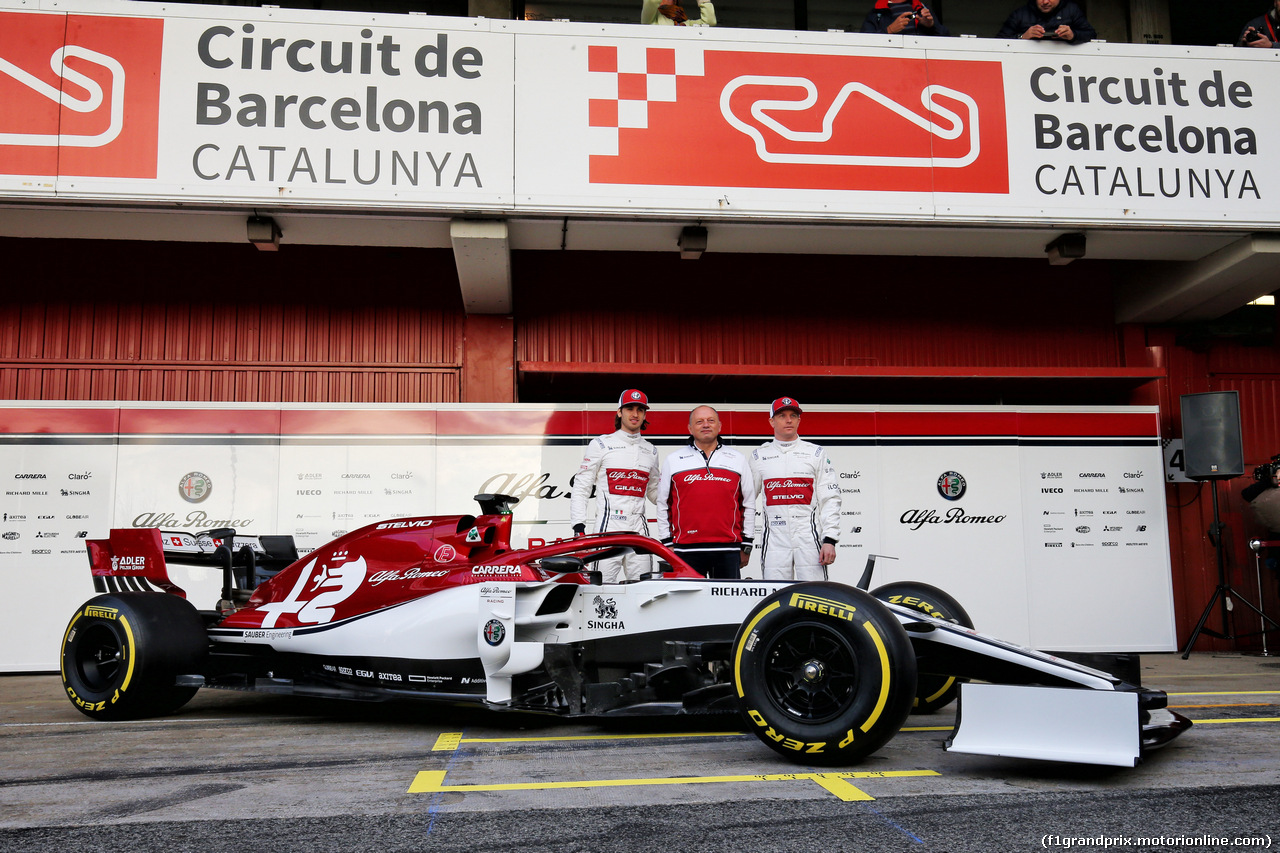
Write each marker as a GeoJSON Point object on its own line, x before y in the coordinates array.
{"type": "Point", "coordinates": [432, 782]}
{"type": "Point", "coordinates": [449, 741]}
{"type": "Point", "coordinates": [1238, 720]}
{"type": "Point", "coordinates": [1230, 693]}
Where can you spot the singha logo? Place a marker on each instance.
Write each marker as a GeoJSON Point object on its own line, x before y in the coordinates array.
{"type": "Point", "coordinates": [606, 615]}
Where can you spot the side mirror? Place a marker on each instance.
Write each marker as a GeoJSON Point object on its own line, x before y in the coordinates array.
{"type": "Point", "coordinates": [562, 565]}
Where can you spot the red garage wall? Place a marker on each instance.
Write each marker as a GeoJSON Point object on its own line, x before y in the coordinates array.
{"type": "Point", "coordinates": [105, 320]}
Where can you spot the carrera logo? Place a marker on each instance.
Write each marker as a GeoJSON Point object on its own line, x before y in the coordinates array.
{"type": "Point", "coordinates": [79, 95]}
{"type": "Point", "coordinates": [799, 121]}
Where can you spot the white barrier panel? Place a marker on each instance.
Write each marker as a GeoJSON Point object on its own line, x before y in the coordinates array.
{"type": "Point", "coordinates": [1046, 523]}
{"type": "Point", "coordinates": [174, 104]}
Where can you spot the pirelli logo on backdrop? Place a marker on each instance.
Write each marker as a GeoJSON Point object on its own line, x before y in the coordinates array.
{"type": "Point", "coordinates": [79, 95]}
{"type": "Point", "coordinates": [797, 121]}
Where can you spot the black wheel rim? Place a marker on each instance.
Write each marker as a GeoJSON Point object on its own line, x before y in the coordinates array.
{"type": "Point", "coordinates": [99, 657]}
{"type": "Point", "coordinates": [810, 672]}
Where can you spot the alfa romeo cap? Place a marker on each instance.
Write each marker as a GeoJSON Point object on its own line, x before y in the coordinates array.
{"type": "Point", "coordinates": [785, 403]}
{"type": "Point", "coordinates": [632, 397]}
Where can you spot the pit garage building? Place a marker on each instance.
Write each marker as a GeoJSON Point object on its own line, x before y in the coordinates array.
{"type": "Point", "coordinates": [495, 205]}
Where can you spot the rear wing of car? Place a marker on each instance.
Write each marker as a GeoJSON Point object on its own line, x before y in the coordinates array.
{"type": "Point", "coordinates": [138, 559]}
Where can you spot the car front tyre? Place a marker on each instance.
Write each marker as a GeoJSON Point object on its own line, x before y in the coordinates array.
{"type": "Point", "coordinates": [824, 673]}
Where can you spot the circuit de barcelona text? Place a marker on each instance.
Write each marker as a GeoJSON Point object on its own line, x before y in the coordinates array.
{"type": "Point", "coordinates": [1161, 135]}
{"type": "Point", "coordinates": [328, 89]}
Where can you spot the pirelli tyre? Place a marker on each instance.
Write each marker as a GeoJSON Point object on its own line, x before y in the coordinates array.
{"type": "Point", "coordinates": [121, 653]}
{"type": "Point", "coordinates": [824, 673]}
{"type": "Point", "coordinates": [932, 691]}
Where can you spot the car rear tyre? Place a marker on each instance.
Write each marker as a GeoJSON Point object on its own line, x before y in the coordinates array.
{"type": "Point", "coordinates": [824, 673]}
{"type": "Point", "coordinates": [932, 691]}
{"type": "Point", "coordinates": [121, 653]}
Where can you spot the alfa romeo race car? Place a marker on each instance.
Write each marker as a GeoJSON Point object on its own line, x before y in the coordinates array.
{"type": "Point", "coordinates": [443, 609]}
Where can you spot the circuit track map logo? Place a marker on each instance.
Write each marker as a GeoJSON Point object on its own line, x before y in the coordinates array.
{"type": "Point", "coordinates": [79, 95]}
{"type": "Point", "coordinates": [798, 121]}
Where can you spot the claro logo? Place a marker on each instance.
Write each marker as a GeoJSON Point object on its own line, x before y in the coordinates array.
{"type": "Point", "coordinates": [81, 95]}
{"type": "Point", "coordinates": [799, 121]}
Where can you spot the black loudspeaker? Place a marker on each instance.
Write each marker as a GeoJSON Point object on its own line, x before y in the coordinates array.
{"type": "Point", "coordinates": [1211, 444]}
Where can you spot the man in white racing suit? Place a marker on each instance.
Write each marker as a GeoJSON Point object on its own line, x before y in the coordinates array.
{"type": "Point", "coordinates": [621, 470]}
{"type": "Point", "coordinates": [801, 509]}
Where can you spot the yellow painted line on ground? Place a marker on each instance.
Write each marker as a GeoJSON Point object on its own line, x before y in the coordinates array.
{"type": "Point", "coordinates": [1238, 720]}
{"type": "Point", "coordinates": [1229, 705]}
{"type": "Point", "coordinates": [449, 741]}
{"type": "Point", "coordinates": [452, 740]}
{"type": "Point", "coordinates": [1230, 693]}
{"type": "Point", "coordinates": [432, 782]}
{"type": "Point", "coordinates": [1171, 677]}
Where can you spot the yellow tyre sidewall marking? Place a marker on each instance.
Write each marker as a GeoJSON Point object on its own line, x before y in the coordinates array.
{"type": "Point", "coordinates": [884, 676]}
{"type": "Point", "coordinates": [128, 650]}
{"type": "Point", "coordinates": [66, 638]}
{"type": "Point", "coordinates": [945, 687]}
{"type": "Point", "coordinates": [746, 635]}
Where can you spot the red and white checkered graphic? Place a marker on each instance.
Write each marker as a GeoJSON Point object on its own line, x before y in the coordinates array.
{"type": "Point", "coordinates": [794, 120]}
{"type": "Point", "coordinates": [625, 79]}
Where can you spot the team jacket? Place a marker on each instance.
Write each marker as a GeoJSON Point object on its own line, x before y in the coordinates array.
{"type": "Point", "coordinates": [623, 469]}
{"type": "Point", "coordinates": [706, 503]}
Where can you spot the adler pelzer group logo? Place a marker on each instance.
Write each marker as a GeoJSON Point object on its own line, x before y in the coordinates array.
{"type": "Point", "coordinates": [79, 95]}
{"type": "Point", "coordinates": [797, 120]}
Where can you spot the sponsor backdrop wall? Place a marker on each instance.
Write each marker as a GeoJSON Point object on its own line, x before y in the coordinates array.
{"type": "Point", "coordinates": [1048, 524]}
{"type": "Point", "coordinates": [113, 100]}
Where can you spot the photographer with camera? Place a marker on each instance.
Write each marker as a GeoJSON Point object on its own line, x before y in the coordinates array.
{"type": "Point", "coordinates": [1048, 20]}
{"type": "Point", "coordinates": [909, 18]}
{"type": "Point", "coordinates": [1262, 31]}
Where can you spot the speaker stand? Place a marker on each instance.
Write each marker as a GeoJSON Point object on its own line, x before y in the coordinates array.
{"type": "Point", "coordinates": [1223, 593]}
{"type": "Point", "coordinates": [1256, 545]}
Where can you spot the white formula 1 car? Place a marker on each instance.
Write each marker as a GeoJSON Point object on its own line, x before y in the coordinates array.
{"type": "Point", "coordinates": [442, 609]}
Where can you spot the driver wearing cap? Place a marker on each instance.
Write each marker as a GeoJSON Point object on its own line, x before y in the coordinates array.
{"type": "Point", "coordinates": [621, 470]}
{"type": "Point", "coordinates": [801, 494]}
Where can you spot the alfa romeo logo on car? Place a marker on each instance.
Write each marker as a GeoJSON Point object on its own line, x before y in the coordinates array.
{"type": "Point", "coordinates": [494, 632]}
{"type": "Point", "coordinates": [195, 487]}
{"type": "Point", "coordinates": [951, 486]}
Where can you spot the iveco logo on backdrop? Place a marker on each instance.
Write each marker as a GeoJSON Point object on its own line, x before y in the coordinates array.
{"type": "Point", "coordinates": [798, 120]}
{"type": "Point", "coordinates": [80, 95]}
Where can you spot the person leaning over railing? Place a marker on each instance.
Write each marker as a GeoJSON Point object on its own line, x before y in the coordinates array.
{"type": "Point", "coordinates": [1060, 20]}
{"type": "Point", "coordinates": [673, 14]}
{"type": "Point", "coordinates": [1262, 31]}
{"type": "Point", "coordinates": [909, 18]}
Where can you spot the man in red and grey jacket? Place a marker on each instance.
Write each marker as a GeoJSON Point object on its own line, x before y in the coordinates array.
{"type": "Point", "coordinates": [706, 501]}
{"type": "Point", "coordinates": [800, 523]}
{"type": "Point", "coordinates": [622, 470]}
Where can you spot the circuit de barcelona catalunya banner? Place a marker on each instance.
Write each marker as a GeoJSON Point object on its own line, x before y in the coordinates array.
{"type": "Point", "coordinates": [1048, 524]}
{"type": "Point", "coordinates": [170, 104]}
